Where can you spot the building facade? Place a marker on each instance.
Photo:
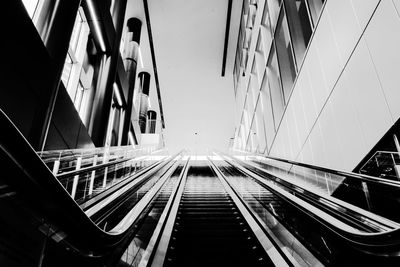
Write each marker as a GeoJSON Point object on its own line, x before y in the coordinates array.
{"type": "Point", "coordinates": [317, 81]}
{"type": "Point", "coordinates": [70, 74]}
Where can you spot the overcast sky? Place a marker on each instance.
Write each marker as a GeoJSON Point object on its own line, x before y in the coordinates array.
{"type": "Point", "coordinates": [188, 38]}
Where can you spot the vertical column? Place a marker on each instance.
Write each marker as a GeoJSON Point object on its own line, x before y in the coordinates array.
{"type": "Point", "coordinates": [144, 78]}
{"type": "Point", "coordinates": [107, 73]}
{"type": "Point", "coordinates": [76, 177]}
{"type": "Point", "coordinates": [152, 120]}
{"type": "Point", "coordinates": [93, 175]}
{"type": "Point", "coordinates": [22, 45]}
{"type": "Point", "coordinates": [55, 24]}
{"type": "Point", "coordinates": [131, 56]}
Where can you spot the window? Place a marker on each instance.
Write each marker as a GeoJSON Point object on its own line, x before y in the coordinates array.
{"type": "Point", "coordinates": [266, 109]}
{"type": "Point", "coordinates": [76, 32]}
{"type": "Point", "coordinates": [246, 126]}
{"type": "Point", "coordinates": [253, 136]}
{"type": "Point", "coordinates": [274, 7]}
{"type": "Point", "coordinates": [285, 55]}
{"type": "Point", "coordinates": [66, 74]}
{"type": "Point", "coordinates": [315, 7]}
{"type": "Point", "coordinates": [78, 72]}
{"type": "Point", "coordinates": [275, 87]}
{"type": "Point", "coordinates": [284, 33]}
{"type": "Point", "coordinates": [260, 55]}
{"type": "Point", "coordinates": [251, 17]}
{"type": "Point", "coordinates": [266, 26]}
{"type": "Point", "coordinates": [254, 75]}
{"type": "Point", "coordinates": [300, 27]}
{"type": "Point", "coordinates": [78, 97]}
{"type": "Point", "coordinates": [250, 98]}
{"type": "Point", "coordinates": [30, 6]}
{"type": "Point", "coordinates": [260, 130]}
{"type": "Point", "coordinates": [235, 76]}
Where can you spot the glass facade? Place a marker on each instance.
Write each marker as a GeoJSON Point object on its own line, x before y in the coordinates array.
{"type": "Point", "coordinates": [79, 74]}
{"type": "Point", "coordinates": [284, 32]}
{"type": "Point", "coordinates": [285, 56]}
{"type": "Point", "coordinates": [274, 83]}
{"type": "Point", "coordinates": [30, 6]}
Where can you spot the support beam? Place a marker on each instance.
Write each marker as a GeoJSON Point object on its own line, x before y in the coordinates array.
{"type": "Point", "coordinates": [153, 57]}
{"type": "Point", "coordinates": [228, 25]}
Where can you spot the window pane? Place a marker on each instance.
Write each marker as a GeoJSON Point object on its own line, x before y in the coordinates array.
{"type": "Point", "coordinates": [315, 7]}
{"type": "Point", "coordinates": [300, 27]}
{"type": "Point", "coordinates": [246, 125]}
{"type": "Point", "coordinates": [275, 87]}
{"type": "Point", "coordinates": [285, 56]}
{"type": "Point", "coordinates": [266, 26]}
{"type": "Point", "coordinates": [273, 7]}
{"type": "Point", "coordinates": [251, 16]}
{"type": "Point", "coordinates": [76, 32]}
{"type": "Point", "coordinates": [30, 6]}
{"type": "Point", "coordinates": [266, 107]}
{"type": "Point", "coordinates": [250, 97]}
{"type": "Point", "coordinates": [253, 136]}
{"type": "Point", "coordinates": [66, 73]}
{"type": "Point", "coordinates": [260, 56]}
{"type": "Point", "coordinates": [260, 130]}
{"type": "Point", "coordinates": [78, 97]}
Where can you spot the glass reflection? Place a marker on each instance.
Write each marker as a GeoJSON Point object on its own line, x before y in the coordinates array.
{"type": "Point", "coordinates": [285, 55]}
{"type": "Point", "coordinates": [275, 86]}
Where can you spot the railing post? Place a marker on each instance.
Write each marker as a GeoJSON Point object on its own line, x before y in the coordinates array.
{"type": "Point", "coordinates": [395, 166]}
{"type": "Point", "coordinates": [105, 160]}
{"type": "Point", "coordinates": [56, 167]}
{"type": "Point", "coordinates": [76, 177]}
{"type": "Point", "coordinates": [367, 195]}
{"type": "Point", "coordinates": [92, 176]}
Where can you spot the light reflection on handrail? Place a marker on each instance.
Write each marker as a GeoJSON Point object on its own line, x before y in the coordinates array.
{"type": "Point", "coordinates": [362, 177]}
{"type": "Point", "coordinates": [87, 172]}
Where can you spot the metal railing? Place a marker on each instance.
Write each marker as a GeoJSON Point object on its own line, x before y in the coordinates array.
{"type": "Point", "coordinates": [383, 164]}
{"type": "Point", "coordinates": [380, 236]}
{"type": "Point", "coordinates": [378, 195]}
{"type": "Point", "coordinates": [84, 173]}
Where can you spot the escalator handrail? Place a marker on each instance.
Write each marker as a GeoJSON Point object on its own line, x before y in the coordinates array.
{"type": "Point", "coordinates": [277, 255]}
{"type": "Point", "coordinates": [115, 197]}
{"type": "Point", "coordinates": [92, 168]}
{"type": "Point", "coordinates": [365, 241]}
{"type": "Point", "coordinates": [387, 223]}
{"type": "Point", "coordinates": [359, 176]}
{"type": "Point", "coordinates": [46, 199]}
{"type": "Point", "coordinates": [160, 246]}
{"type": "Point", "coordinates": [110, 190]}
{"type": "Point", "coordinates": [153, 243]}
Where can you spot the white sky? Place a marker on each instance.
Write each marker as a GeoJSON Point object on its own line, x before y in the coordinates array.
{"type": "Point", "coordinates": [188, 38]}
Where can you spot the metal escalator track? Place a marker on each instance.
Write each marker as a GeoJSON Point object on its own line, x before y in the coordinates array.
{"type": "Point", "coordinates": [317, 236]}
{"type": "Point", "coordinates": [135, 252]}
{"type": "Point", "coordinates": [311, 234]}
{"type": "Point", "coordinates": [209, 229]}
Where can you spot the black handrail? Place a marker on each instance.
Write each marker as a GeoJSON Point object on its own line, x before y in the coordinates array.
{"type": "Point", "coordinates": [45, 197]}
{"type": "Point", "coordinates": [358, 176]}
{"type": "Point", "coordinates": [91, 168]}
{"type": "Point", "coordinates": [88, 203]}
{"type": "Point", "coordinates": [386, 243]}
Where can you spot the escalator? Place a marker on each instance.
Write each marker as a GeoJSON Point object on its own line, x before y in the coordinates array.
{"type": "Point", "coordinates": [197, 220]}
{"type": "Point", "coordinates": [336, 232]}
{"type": "Point", "coordinates": [181, 212]}
{"type": "Point", "coordinates": [209, 229]}
{"type": "Point", "coordinates": [49, 225]}
{"type": "Point", "coordinates": [296, 231]}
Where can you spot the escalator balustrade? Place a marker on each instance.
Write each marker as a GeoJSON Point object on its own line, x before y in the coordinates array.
{"type": "Point", "coordinates": [209, 230]}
